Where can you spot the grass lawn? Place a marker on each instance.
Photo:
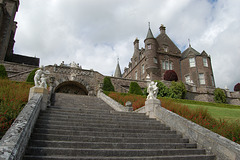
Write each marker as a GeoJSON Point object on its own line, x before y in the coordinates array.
{"type": "Point", "coordinates": [219, 112]}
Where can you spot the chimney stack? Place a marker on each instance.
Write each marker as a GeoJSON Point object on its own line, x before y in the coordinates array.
{"type": "Point", "coordinates": [162, 29]}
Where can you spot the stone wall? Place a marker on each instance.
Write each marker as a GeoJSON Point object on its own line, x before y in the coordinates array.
{"type": "Point", "coordinates": [213, 143]}
{"type": "Point", "coordinates": [14, 142]}
{"type": "Point", "coordinates": [17, 71]}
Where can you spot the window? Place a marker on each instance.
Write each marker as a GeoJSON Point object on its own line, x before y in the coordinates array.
{"type": "Point", "coordinates": [163, 64]}
{"type": "Point", "coordinates": [155, 60]}
{"type": "Point", "coordinates": [170, 66]}
{"type": "Point", "coordinates": [187, 79]}
{"type": "Point", "coordinates": [205, 63]}
{"type": "Point", "coordinates": [213, 84]}
{"type": "Point", "coordinates": [149, 46]}
{"type": "Point", "coordinates": [201, 78]}
{"type": "Point", "coordinates": [143, 69]}
{"type": "Point", "coordinates": [136, 76]}
{"type": "Point", "coordinates": [167, 65]}
{"type": "Point", "coordinates": [165, 49]}
{"type": "Point", "coordinates": [192, 62]}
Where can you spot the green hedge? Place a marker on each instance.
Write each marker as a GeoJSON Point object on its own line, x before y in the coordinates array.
{"type": "Point", "coordinates": [3, 73]}
{"type": "Point", "coordinates": [219, 96]}
{"type": "Point", "coordinates": [30, 77]}
{"type": "Point", "coordinates": [135, 89]}
{"type": "Point", "coordinates": [107, 84]}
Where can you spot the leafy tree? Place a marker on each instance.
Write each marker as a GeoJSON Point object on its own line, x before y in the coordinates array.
{"type": "Point", "coordinates": [237, 87]}
{"type": "Point", "coordinates": [219, 96]}
{"type": "Point", "coordinates": [107, 84]}
{"type": "Point", "coordinates": [163, 90]}
{"type": "Point", "coordinates": [170, 75]}
{"type": "Point", "coordinates": [30, 77]}
{"type": "Point", "coordinates": [3, 73]}
{"type": "Point", "coordinates": [135, 89]}
{"type": "Point", "coordinates": [178, 90]}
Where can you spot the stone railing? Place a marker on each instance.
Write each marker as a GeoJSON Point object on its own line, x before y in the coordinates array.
{"type": "Point", "coordinates": [14, 142]}
{"type": "Point", "coordinates": [112, 103]}
{"type": "Point", "coordinates": [221, 147]}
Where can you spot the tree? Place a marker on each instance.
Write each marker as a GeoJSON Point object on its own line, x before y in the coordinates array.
{"type": "Point", "coordinates": [219, 96]}
{"type": "Point", "coordinates": [163, 90]}
{"type": "Point", "coordinates": [135, 88]}
{"type": "Point", "coordinates": [178, 90]}
{"type": "Point", "coordinates": [30, 77]}
{"type": "Point", "coordinates": [3, 73]}
{"type": "Point", "coordinates": [170, 75]}
{"type": "Point", "coordinates": [107, 84]}
{"type": "Point", "coordinates": [237, 87]}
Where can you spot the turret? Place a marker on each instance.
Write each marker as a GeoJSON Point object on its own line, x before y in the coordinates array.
{"type": "Point", "coordinates": [151, 46]}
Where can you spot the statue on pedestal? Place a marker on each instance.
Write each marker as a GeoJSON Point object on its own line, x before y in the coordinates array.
{"type": "Point", "coordinates": [40, 80]}
{"type": "Point", "coordinates": [152, 90]}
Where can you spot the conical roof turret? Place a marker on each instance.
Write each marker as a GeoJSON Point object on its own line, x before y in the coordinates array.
{"type": "Point", "coordinates": [118, 71]}
{"type": "Point", "coordinates": [149, 34]}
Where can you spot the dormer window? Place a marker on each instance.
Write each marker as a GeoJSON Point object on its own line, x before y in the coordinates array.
{"type": "Point", "coordinates": [165, 48]}
{"type": "Point", "coordinates": [192, 62]}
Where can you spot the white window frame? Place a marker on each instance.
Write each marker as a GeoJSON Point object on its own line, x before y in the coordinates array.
{"type": "Point", "coordinates": [163, 64]}
{"type": "Point", "coordinates": [201, 78]}
{"type": "Point", "coordinates": [155, 60]}
{"type": "Point", "coordinates": [192, 62]}
{"type": "Point", "coordinates": [136, 76]}
{"type": "Point", "coordinates": [205, 62]}
{"type": "Point", "coordinates": [143, 69]}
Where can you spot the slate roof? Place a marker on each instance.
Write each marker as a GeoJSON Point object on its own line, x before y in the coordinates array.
{"type": "Point", "coordinates": [190, 51]}
{"type": "Point", "coordinates": [149, 34]}
{"type": "Point", "coordinates": [118, 71]}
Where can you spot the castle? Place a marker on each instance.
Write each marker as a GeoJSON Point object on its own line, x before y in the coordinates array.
{"type": "Point", "coordinates": [161, 54]}
{"type": "Point", "coordinates": [8, 26]}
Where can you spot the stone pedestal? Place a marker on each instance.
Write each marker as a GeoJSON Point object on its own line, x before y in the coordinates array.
{"type": "Point", "coordinates": [150, 106]}
{"type": "Point", "coordinates": [42, 91]}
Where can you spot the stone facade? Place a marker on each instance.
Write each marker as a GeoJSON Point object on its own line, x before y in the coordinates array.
{"type": "Point", "coordinates": [8, 26]}
{"type": "Point", "coordinates": [161, 54]}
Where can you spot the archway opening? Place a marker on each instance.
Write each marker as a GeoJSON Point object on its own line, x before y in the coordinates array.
{"type": "Point", "coordinates": [71, 87]}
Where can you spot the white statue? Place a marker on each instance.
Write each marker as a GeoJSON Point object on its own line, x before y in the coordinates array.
{"type": "Point", "coordinates": [39, 79]}
{"type": "Point", "coordinates": [43, 81]}
{"type": "Point", "coordinates": [152, 90]}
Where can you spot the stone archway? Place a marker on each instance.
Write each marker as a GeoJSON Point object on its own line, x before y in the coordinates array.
{"type": "Point", "coordinates": [71, 87]}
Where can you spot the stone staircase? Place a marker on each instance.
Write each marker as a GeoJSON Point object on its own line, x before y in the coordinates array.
{"type": "Point", "coordinates": [82, 127]}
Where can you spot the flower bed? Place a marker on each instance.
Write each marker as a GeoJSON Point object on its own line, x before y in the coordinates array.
{"type": "Point", "coordinates": [199, 116]}
{"type": "Point", "coordinates": [13, 97]}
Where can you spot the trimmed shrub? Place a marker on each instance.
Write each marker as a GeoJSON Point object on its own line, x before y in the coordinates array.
{"type": "Point", "coordinates": [30, 77]}
{"type": "Point", "coordinates": [107, 84]}
{"type": "Point", "coordinates": [237, 87]}
{"type": "Point", "coordinates": [170, 75]}
{"type": "Point", "coordinates": [219, 96]}
{"type": "Point", "coordinates": [163, 90]}
{"type": "Point", "coordinates": [135, 89]}
{"type": "Point", "coordinates": [178, 90]}
{"type": "Point", "coordinates": [3, 73]}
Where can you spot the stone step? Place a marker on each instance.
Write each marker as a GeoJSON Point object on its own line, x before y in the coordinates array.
{"type": "Point", "coordinates": [99, 120]}
{"type": "Point", "coordinates": [173, 157]}
{"type": "Point", "coordinates": [157, 134]}
{"type": "Point", "coordinates": [109, 145]}
{"type": "Point", "coordinates": [100, 129]}
{"type": "Point", "coordinates": [86, 138]}
{"type": "Point", "coordinates": [47, 151]}
{"type": "Point", "coordinates": [105, 112]}
{"type": "Point", "coordinates": [87, 115]}
{"type": "Point", "coordinates": [105, 125]}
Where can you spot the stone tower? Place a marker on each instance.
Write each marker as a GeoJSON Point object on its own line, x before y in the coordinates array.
{"type": "Point", "coordinates": [152, 63]}
{"type": "Point", "coordinates": [8, 26]}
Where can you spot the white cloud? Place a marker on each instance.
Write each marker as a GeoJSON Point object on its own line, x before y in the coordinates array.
{"type": "Point", "coordinates": [94, 33]}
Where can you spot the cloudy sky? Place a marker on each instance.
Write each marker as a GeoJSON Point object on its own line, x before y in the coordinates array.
{"type": "Point", "coordinates": [94, 33]}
